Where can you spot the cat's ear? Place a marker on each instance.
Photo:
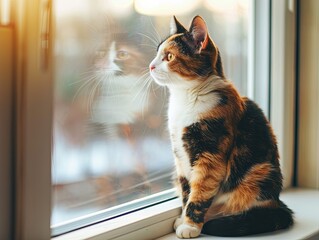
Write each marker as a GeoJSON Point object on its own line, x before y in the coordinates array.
{"type": "Point", "coordinates": [199, 32]}
{"type": "Point", "coordinates": [176, 26]}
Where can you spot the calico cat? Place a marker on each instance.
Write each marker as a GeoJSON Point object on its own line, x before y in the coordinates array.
{"type": "Point", "coordinates": [118, 66]}
{"type": "Point", "coordinates": [226, 155]}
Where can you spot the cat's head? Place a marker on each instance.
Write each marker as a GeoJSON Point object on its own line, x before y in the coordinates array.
{"type": "Point", "coordinates": [186, 57]}
{"type": "Point", "coordinates": [119, 55]}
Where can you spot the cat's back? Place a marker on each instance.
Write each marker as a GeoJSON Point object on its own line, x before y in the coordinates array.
{"type": "Point", "coordinates": [254, 154]}
{"type": "Point", "coordinates": [255, 133]}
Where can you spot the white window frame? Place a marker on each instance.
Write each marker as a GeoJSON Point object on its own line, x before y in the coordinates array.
{"type": "Point", "coordinates": [34, 83]}
{"type": "Point", "coordinates": [283, 82]}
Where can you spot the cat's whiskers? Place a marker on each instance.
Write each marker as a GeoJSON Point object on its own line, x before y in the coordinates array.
{"type": "Point", "coordinates": [89, 70]}
{"type": "Point", "coordinates": [141, 78]}
{"type": "Point", "coordinates": [93, 83]}
{"type": "Point", "coordinates": [145, 97]}
{"type": "Point", "coordinates": [92, 95]}
{"type": "Point", "coordinates": [150, 38]}
{"type": "Point", "coordinates": [144, 82]}
{"type": "Point", "coordinates": [155, 87]}
{"type": "Point", "coordinates": [157, 35]}
{"type": "Point", "coordinates": [77, 82]}
{"type": "Point", "coordinates": [85, 76]}
{"type": "Point", "coordinates": [88, 82]}
{"type": "Point", "coordinates": [144, 72]}
{"type": "Point", "coordinates": [148, 45]}
{"type": "Point", "coordinates": [108, 81]}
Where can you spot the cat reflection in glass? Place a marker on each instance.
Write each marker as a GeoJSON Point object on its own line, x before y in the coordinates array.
{"type": "Point", "coordinates": [226, 155]}
{"type": "Point", "coordinates": [113, 95]}
{"type": "Point", "coordinates": [110, 117]}
{"type": "Point", "coordinates": [123, 93]}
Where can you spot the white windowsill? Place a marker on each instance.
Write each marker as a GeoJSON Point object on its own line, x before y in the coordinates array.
{"type": "Point", "coordinates": [149, 223]}
{"type": "Point", "coordinates": [156, 221]}
{"type": "Point", "coordinates": [304, 203]}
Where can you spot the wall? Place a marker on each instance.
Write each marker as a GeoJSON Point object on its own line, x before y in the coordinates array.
{"type": "Point", "coordinates": [308, 150]}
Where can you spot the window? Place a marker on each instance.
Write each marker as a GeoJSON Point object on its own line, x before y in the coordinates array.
{"type": "Point", "coordinates": [111, 150]}
{"type": "Point", "coordinates": [82, 157]}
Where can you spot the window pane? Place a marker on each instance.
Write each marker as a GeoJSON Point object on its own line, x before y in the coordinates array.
{"type": "Point", "coordinates": [110, 142]}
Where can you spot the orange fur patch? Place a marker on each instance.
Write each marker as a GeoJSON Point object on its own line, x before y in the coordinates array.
{"type": "Point", "coordinates": [207, 175]}
{"type": "Point", "coordinates": [246, 194]}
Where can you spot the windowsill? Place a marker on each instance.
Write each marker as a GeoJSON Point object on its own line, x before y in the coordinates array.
{"type": "Point", "coordinates": [154, 222]}
{"type": "Point", "coordinates": [304, 203]}
{"type": "Point", "coordinates": [157, 221]}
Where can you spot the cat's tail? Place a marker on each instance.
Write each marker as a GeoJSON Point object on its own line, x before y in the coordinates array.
{"type": "Point", "coordinates": [254, 221]}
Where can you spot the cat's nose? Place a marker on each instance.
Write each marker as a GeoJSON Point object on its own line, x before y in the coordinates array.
{"type": "Point", "coordinates": [152, 67]}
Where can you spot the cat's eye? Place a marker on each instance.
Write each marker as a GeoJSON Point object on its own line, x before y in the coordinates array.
{"type": "Point", "coordinates": [170, 57]}
{"type": "Point", "coordinates": [122, 55]}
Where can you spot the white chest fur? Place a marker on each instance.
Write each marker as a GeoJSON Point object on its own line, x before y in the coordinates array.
{"type": "Point", "coordinates": [185, 108]}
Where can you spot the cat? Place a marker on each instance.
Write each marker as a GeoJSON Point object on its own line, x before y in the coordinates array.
{"type": "Point", "coordinates": [118, 66]}
{"type": "Point", "coordinates": [111, 91]}
{"type": "Point", "coordinates": [226, 155]}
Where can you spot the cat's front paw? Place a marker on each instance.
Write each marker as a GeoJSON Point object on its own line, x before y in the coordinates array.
{"type": "Point", "coordinates": [187, 231]}
{"type": "Point", "coordinates": [177, 222]}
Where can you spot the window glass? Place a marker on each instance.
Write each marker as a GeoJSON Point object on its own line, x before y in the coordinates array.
{"type": "Point", "coordinates": [110, 141]}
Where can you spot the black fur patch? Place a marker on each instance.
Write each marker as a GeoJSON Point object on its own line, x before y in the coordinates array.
{"type": "Point", "coordinates": [255, 145]}
{"type": "Point", "coordinates": [223, 100]}
{"type": "Point", "coordinates": [219, 66]}
{"type": "Point", "coordinates": [204, 136]}
{"type": "Point", "coordinates": [271, 186]}
{"type": "Point", "coordinates": [238, 170]}
{"type": "Point", "coordinates": [254, 221]}
{"type": "Point", "coordinates": [196, 210]}
{"type": "Point", "coordinates": [185, 189]}
{"type": "Point", "coordinates": [184, 48]}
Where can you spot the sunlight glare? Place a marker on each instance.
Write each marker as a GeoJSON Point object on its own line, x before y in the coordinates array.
{"type": "Point", "coordinates": [165, 7]}
{"type": "Point", "coordinates": [221, 6]}
{"type": "Point", "coordinates": [4, 12]}
{"type": "Point", "coordinates": [64, 8]}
